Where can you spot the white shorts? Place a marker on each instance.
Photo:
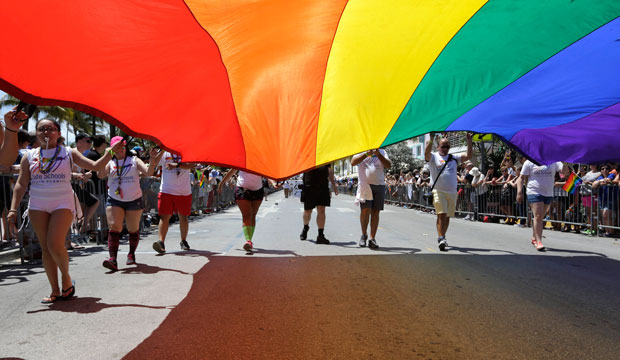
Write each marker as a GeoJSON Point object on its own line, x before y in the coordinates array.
{"type": "Point", "coordinates": [49, 205]}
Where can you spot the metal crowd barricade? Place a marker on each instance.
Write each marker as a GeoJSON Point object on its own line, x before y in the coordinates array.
{"type": "Point", "coordinates": [587, 210]}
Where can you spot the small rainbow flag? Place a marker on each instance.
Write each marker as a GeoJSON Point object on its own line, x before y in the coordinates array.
{"type": "Point", "coordinates": [571, 183]}
{"type": "Point", "coordinates": [202, 179]}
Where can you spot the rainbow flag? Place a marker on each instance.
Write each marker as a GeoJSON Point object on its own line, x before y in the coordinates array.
{"type": "Point", "coordinates": [202, 179]}
{"type": "Point", "coordinates": [572, 183]}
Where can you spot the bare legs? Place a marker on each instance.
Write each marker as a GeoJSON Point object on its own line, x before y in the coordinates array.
{"type": "Point", "coordinates": [51, 230]}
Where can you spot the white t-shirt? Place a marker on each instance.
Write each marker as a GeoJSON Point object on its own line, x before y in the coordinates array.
{"type": "Point", "coordinates": [540, 178]}
{"type": "Point", "coordinates": [447, 180]}
{"type": "Point", "coordinates": [129, 181]}
{"type": "Point", "coordinates": [371, 170]}
{"type": "Point", "coordinates": [57, 181]}
{"type": "Point", "coordinates": [249, 181]}
{"type": "Point", "coordinates": [174, 181]}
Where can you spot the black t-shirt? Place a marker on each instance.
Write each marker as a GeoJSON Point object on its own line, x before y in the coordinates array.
{"type": "Point", "coordinates": [100, 184]}
{"type": "Point", "coordinates": [317, 178]}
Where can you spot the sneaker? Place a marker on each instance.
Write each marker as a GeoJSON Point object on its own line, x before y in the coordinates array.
{"type": "Point", "coordinates": [248, 246]}
{"type": "Point", "coordinates": [540, 246]}
{"type": "Point", "coordinates": [534, 242]}
{"type": "Point", "coordinates": [372, 243]}
{"type": "Point", "coordinates": [131, 259]}
{"type": "Point", "coordinates": [159, 247]}
{"type": "Point", "coordinates": [441, 241]}
{"type": "Point", "coordinates": [322, 240]}
{"type": "Point", "coordinates": [304, 234]}
{"type": "Point", "coordinates": [184, 245]}
{"type": "Point", "coordinates": [110, 264]}
{"type": "Point", "coordinates": [363, 239]}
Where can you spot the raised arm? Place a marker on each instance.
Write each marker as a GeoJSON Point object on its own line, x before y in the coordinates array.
{"type": "Point", "coordinates": [355, 160]}
{"type": "Point", "coordinates": [9, 145]}
{"type": "Point", "coordinates": [470, 149]}
{"type": "Point", "coordinates": [429, 147]}
{"type": "Point", "coordinates": [227, 177]}
{"type": "Point", "coordinates": [86, 163]}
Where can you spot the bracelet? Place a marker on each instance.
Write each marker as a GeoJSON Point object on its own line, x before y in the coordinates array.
{"type": "Point", "coordinates": [11, 130]}
{"type": "Point", "coordinates": [111, 152]}
{"type": "Point", "coordinates": [12, 211]}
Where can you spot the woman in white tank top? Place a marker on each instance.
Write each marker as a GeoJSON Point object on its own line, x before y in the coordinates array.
{"type": "Point", "coordinates": [48, 172]}
{"type": "Point", "coordinates": [125, 199]}
{"type": "Point", "coordinates": [249, 195]}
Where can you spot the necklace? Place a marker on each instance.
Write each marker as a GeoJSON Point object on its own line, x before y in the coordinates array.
{"type": "Point", "coordinates": [119, 173]}
{"type": "Point", "coordinates": [50, 162]}
{"type": "Point", "coordinates": [176, 159]}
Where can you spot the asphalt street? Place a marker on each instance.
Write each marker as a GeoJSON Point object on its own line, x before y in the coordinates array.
{"type": "Point", "coordinates": [491, 296]}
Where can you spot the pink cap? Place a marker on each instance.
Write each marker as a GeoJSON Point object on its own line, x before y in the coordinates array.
{"type": "Point", "coordinates": [116, 139]}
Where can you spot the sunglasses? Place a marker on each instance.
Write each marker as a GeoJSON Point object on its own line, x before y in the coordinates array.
{"type": "Point", "coordinates": [604, 168]}
{"type": "Point", "coordinates": [47, 129]}
{"type": "Point", "coordinates": [444, 147]}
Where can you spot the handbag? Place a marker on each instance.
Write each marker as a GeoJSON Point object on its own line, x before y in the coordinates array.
{"type": "Point", "coordinates": [429, 194]}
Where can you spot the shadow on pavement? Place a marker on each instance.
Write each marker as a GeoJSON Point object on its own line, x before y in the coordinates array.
{"type": "Point", "coordinates": [87, 305]}
{"type": "Point", "coordinates": [15, 274]}
{"type": "Point", "coordinates": [496, 306]}
{"type": "Point", "coordinates": [145, 269]}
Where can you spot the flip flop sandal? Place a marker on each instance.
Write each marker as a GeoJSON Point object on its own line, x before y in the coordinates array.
{"type": "Point", "coordinates": [71, 291]}
{"type": "Point", "coordinates": [51, 299]}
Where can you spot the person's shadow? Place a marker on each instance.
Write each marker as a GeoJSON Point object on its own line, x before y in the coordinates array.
{"type": "Point", "coordinates": [88, 305]}
{"type": "Point", "coordinates": [145, 269]}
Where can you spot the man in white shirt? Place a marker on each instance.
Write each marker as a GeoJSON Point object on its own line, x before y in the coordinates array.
{"type": "Point", "coordinates": [175, 196]}
{"type": "Point", "coordinates": [371, 166]}
{"type": "Point", "coordinates": [444, 182]}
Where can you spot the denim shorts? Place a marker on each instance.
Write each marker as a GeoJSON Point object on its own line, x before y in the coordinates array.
{"type": "Point", "coordinates": [539, 198]}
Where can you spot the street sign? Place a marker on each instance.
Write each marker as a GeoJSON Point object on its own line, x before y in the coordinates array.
{"type": "Point", "coordinates": [482, 137]}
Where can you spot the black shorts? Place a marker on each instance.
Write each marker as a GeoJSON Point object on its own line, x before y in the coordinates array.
{"type": "Point", "coordinates": [378, 198]}
{"type": "Point", "coordinates": [313, 198]}
{"type": "Point", "coordinates": [250, 195]}
{"type": "Point", "coordinates": [84, 196]}
{"type": "Point", "coordinates": [126, 205]}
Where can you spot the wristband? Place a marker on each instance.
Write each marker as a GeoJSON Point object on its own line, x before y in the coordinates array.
{"type": "Point", "coordinates": [11, 130]}
{"type": "Point", "coordinates": [111, 152]}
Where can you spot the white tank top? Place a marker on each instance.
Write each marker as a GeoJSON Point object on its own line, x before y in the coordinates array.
{"type": "Point", "coordinates": [249, 181]}
{"type": "Point", "coordinates": [129, 179]}
{"type": "Point", "coordinates": [57, 179]}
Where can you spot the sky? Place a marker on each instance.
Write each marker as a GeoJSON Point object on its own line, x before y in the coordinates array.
{"type": "Point", "coordinates": [68, 135]}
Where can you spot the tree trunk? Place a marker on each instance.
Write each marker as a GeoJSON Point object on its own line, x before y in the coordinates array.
{"type": "Point", "coordinates": [93, 121]}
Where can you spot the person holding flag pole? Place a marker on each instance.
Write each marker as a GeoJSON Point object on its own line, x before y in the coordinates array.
{"type": "Point", "coordinates": [539, 191]}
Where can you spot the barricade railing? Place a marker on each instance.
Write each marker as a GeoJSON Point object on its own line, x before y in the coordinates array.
{"type": "Point", "coordinates": [587, 210]}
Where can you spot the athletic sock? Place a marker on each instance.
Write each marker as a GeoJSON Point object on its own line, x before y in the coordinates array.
{"type": "Point", "coordinates": [320, 232]}
{"type": "Point", "coordinates": [246, 233]}
{"type": "Point", "coordinates": [113, 240]}
{"type": "Point", "coordinates": [134, 238]}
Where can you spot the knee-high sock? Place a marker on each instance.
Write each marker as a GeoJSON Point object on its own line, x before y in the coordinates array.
{"type": "Point", "coordinates": [134, 238]}
{"type": "Point", "coordinates": [246, 233]}
{"type": "Point", "coordinates": [113, 240]}
{"type": "Point", "coordinates": [251, 228]}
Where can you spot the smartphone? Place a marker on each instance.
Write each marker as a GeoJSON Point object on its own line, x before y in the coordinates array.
{"type": "Point", "coordinates": [28, 109]}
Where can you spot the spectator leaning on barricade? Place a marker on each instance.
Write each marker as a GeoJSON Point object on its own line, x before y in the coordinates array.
{"type": "Point", "coordinates": [88, 201]}
{"type": "Point", "coordinates": [507, 195]}
{"type": "Point", "coordinates": [539, 181]}
{"type": "Point", "coordinates": [99, 144]}
{"type": "Point", "coordinates": [607, 196]}
{"type": "Point", "coordinates": [175, 196]}
{"type": "Point", "coordinates": [371, 167]}
{"type": "Point", "coordinates": [443, 166]}
{"type": "Point", "coordinates": [589, 201]}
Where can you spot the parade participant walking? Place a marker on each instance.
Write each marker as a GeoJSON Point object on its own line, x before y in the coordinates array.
{"type": "Point", "coordinates": [249, 195]}
{"type": "Point", "coordinates": [539, 182]}
{"type": "Point", "coordinates": [52, 203]}
{"type": "Point", "coordinates": [443, 168]}
{"type": "Point", "coordinates": [124, 203]}
{"type": "Point", "coordinates": [316, 193]}
{"type": "Point", "coordinates": [371, 167]}
{"type": "Point", "coordinates": [175, 196]}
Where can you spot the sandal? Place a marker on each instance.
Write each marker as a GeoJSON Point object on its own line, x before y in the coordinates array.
{"type": "Point", "coordinates": [51, 299]}
{"type": "Point", "coordinates": [71, 291]}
